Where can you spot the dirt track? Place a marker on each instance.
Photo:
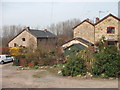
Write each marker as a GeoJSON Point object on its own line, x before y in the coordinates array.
{"type": "Point", "coordinates": [13, 78]}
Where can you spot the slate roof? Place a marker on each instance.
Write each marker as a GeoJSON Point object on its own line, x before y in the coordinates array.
{"type": "Point", "coordinates": [82, 40]}
{"type": "Point", "coordinates": [41, 33]}
{"type": "Point", "coordinates": [37, 33]}
{"type": "Point", "coordinates": [77, 45]}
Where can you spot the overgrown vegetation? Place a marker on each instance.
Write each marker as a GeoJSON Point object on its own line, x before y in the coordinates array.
{"type": "Point", "coordinates": [87, 56]}
{"type": "Point", "coordinates": [107, 63]}
{"type": "Point", "coordinates": [74, 66]}
{"type": "Point", "coordinates": [103, 63]}
{"type": "Point", "coordinates": [44, 55]}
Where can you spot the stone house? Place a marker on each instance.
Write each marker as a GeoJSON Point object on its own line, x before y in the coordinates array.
{"type": "Point", "coordinates": [32, 38]}
{"type": "Point", "coordinates": [109, 27]}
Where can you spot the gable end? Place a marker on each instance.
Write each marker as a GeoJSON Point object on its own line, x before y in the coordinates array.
{"type": "Point", "coordinates": [83, 22]}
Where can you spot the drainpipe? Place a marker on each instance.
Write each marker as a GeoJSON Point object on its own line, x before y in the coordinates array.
{"type": "Point", "coordinates": [94, 37]}
{"type": "Point", "coordinates": [94, 34]}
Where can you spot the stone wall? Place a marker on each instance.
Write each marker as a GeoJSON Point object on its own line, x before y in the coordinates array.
{"type": "Point", "coordinates": [85, 31]}
{"type": "Point", "coordinates": [30, 40]}
{"type": "Point", "coordinates": [46, 41]}
{"type": "Point", "coordinates": [119, 31]}
{"type": "Point", "coordinates": [101, 29]}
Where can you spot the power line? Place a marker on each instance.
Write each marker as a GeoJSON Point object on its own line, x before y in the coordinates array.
{"type": "Point", "coordinates": [51, 16]}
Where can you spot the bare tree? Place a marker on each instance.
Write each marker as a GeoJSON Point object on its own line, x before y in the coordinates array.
{"type": "Point", "coordinates": [64, 30]}
{"type": "Point", "coordinates": [8, 32]}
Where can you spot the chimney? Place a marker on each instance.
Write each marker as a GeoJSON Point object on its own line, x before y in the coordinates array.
{"type": "Point", "coordinates": [45, 30]}
{"type": "Point", "coordinates": [27, 28]}
{"type": "Point", "coordinates": [97, 19]}
{"type": "Point", "coordinates": [87, 19]}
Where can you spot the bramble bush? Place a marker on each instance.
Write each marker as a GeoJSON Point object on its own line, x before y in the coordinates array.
{"type": "Point", "coordinates": [108, 62]}
{"type": "Point", "coordinates": [44, 55]}
{"type": "Point", "coordinates": [74, 66]}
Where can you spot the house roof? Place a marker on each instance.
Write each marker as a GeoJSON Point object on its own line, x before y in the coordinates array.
{"type": "Point", "coordinates": [81, 40]}
{"type": "Point", "coordinates": [37, 33]}
{"type": "Point", "coordinates": [83, 22]}
{"type": "Point", "coordinates": [107, 17]}
{"type": "Point", "coordinates": [41, 33]}
{"type": "Point", "coordinates": [84, 41]}
{"type": "Point", "coordinates": [98, 21]}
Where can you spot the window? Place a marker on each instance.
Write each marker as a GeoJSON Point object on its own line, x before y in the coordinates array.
{"type": "Point", "coordinates": [15, 44]}
{"type": "Point", "coordinates": [110, 29]}
{"type": "Point", "coordinates": [23, 39]}
{"type": "Point", "coordinates": [112, 42]}
{"type": "Point", "coordinates": [8, 56]}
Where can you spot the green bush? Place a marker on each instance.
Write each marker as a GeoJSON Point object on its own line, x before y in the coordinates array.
{"type": "Point", "coordinates": [87, 56]}
{"type": "Point", "coordinates": [108, 63]}
{"type": "Point", "coordinates": [34, 67]}
{"type": "Point", "coordinates": [74, 67]}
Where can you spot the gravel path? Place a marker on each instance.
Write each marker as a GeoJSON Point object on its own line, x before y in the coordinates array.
{"type": "Point", "coordinates": [13, 78]}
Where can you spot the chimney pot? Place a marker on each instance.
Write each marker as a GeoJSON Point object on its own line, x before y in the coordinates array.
{"type": "Point", "coordinates": [27, 28]}
{"type": "Point", "coordinates": [87, 19]}
{"type": "Point", "coordinates": [45, 30]}
{"type": "Point", "coordinates": [97, 19]}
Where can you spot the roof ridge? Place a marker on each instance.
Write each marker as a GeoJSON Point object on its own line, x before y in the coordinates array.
{"type": "Point", "coordinates": [36, 30]}
{"type": "Point", "coordinates": [83, 22]}
{"type": "Point", "coordinates": [98, 21]}
{"type": "Point", "coordinates": [107, 17]}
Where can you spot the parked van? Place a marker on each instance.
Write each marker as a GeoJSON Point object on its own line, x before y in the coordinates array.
{"type": "Point", "coordinates": [6, 58]}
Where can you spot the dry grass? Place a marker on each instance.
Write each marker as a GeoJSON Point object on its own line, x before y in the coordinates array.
{"type": "Point", "coordinates": [40, 74]}
{"type": "Point", "coordinates": [49, 70]}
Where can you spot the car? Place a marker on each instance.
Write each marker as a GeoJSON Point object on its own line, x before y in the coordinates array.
{"type": "Point", "coordinates": [6, 58]}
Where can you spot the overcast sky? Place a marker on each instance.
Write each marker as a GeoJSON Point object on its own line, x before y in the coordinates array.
{"type": "Point", "coordinates": [42, 14]}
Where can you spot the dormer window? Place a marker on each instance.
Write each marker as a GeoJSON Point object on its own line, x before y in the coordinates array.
{"type": "Point", "coordinates": [23, 39]}
{"type": "Point", "coordinates": [111, 30]}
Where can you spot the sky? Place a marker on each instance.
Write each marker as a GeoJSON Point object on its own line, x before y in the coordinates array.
{"type": "Point", "coordinates": [42, 13]}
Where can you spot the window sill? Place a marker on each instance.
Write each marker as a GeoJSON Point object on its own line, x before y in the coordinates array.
{"type": "Point", "coordinates": [110, 33]}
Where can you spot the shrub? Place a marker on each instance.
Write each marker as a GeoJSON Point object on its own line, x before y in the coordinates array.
{"type": "Point", "coordinates": [107, 64]}
{"type": "Point", "coordinates": [102, 43]}
{"type": "Point", "coordinates": [32, 58]}
{"type": "Point", "coordinates": [43, 55]}
{"type": "Point", "coordinates": [74, 67]}
{"type": "Point", "coordinates": [4, 50]}
{"type": "Point", "coordinates": [18, 52]}
{"type": "Point", "coordinates": [87, 56]}
{"type": "Point", "coordinates": [15, 51]}
{"type": "Point", "coordinates": [34, 67]}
